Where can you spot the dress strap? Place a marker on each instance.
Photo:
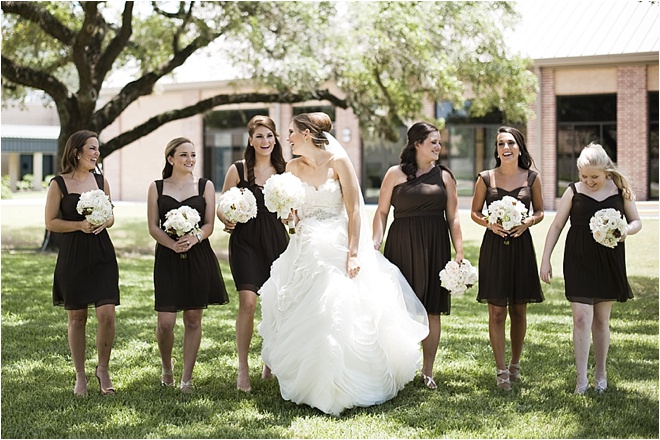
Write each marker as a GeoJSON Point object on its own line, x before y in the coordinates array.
{"type": "Point", "coordinates": [573, 188]}
{"type": "Point", "coordinates": [159, 187]}
{"type": "Point", "coordinates": [240, 167]}
{"type": "Point", "coordinates": [100, 182]}
{"type": "Point", "coordinates": [531, 177]}
{"type": "Point", "coordinates": [61, 184]}
{"type": "Point", "coordinates": [485, 176]}
{"type": "Point", "coordinates": [201, 185]}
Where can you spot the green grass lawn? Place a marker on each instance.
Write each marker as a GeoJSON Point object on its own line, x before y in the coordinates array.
{"type": "Point", "coordinates": [37, 373]}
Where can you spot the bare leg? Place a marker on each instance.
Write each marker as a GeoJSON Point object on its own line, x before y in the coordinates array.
{"type": "Point", "coordinates": [165, 339]}
{"type": "Point", "coordinates": [518, 314]}
{"type": "Point", "coordinates": [247, 302]}
{"type": "Point", "coordinates": [583, 315]}
{"type": "Point", "coordinates": [77, 320]}
{"type": "Point", "coordinates": [496, 332]}
{"type": "Point", "coordinates": [105, 337]}
{"type": "Point", "coordinates": [430, 345]}
{"type": "Point", "coordinates": [600, 331]}
{"type": "Point", "coordinates": [192, 336]}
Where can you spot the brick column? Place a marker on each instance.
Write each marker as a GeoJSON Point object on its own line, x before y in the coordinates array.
{"type": "Point", "coordinates": [632, 126]}
{"type": "Point", "coordinates": [346, 123]}
{"type": "Point", "coordinates": [548, 137]}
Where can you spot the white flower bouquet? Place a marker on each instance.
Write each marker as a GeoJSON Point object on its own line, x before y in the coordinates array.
{"type": "Point", "coordinates": [607, 227]}
{"type": "Point", "coordinates": [508, 212]}
{"type": "Point", "coordinates": [95, 206]}
{"type": "Point", "coordinates": [457, 278]}
{"type": "Point", "coordinates": [282, 193]}
{"type": "Point", "coordinates": [182, 221]}
{"type": "Point", "coordinates": [238, 205]}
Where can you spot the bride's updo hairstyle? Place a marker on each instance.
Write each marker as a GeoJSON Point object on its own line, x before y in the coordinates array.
{"type": "Point", "coordinates": [316, 123]}
{"type": "Point", "coordinates": [594, 155]}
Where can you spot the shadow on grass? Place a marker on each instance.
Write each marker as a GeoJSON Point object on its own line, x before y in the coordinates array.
{"type": "Point", "coordinates": [37, 374]}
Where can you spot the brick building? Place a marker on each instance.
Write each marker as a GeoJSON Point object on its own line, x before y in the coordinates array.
{"type": "Point", "coordinates": [597, 68]}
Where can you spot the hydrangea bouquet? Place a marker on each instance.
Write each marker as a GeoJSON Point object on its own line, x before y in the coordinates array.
{"type": "Point", "coordinates": [457, 278]}
{"type": "Point", "coordinates": [607, 227]}
{"type": "Point", "coordinates": [508, 212]}
{"type": "Point", "coordinates": [282, 193]}
{"type": "Point", "coordinates": [238, 205]}
{"type": "Point", "coordinates": [95, 206]}
{"type": "Point", "coordinates": [182, 221]}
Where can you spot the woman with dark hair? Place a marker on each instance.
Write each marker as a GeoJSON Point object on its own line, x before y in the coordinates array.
{"type": "Point", "coordinates": [423, 193]}
{"type": "Point", "coordinates": [191, 283]}
{"type": "Point", "coordinates": [254, 245]}
{"type": "Point", "coordinates": [508, 274]}
{"type": "Point", "coordinates": [86, 271]}
{"type": "Point", "coordinates": [340, 325]}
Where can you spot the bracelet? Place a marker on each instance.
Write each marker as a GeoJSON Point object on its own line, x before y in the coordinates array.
{"type": "Point", "coordinates": [533, 221]}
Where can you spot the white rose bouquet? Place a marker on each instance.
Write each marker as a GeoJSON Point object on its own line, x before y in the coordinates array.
{"type": "Point", "coordinates": [607, 227]}
{"type": "Point", "coordinates": [182, 221]}
{"type": "Point", "coordinates": [508, 212]}
{"type": "Point", "coordinates": [457, 278]}
{"type": "Point", "coordinates": [238, 205]}
{"type": "Point", "coordinates": [95, 206]}
{"type": "Point", "coordinates": [282, 193]}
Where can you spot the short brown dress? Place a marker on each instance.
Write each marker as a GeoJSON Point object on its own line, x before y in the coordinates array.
{"type": "Point", "coordinates": [418, 240]}
{"type": "Point", "coordinates": [593, 272]}
{"type": "Point", "coordinates": [187, 283]}
{"type": "Point", "coordinates": [508, 274]}
{"type": "Point", "coordinates": [254, 245]}
{"type": "Point", "coordinates": [86, 271]}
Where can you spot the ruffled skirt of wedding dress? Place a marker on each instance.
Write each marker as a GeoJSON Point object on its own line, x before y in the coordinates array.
{"type": "Point", "coordinates": [334, 342]}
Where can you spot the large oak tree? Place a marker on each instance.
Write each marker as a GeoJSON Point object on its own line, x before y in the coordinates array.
{"type": "Point", "coordinates": [385, 57]}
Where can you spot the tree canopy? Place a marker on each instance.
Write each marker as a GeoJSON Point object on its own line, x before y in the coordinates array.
{"type": "Point", "coordinates": [385, 58]}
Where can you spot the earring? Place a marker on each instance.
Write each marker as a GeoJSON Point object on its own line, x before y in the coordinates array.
{"type": "Point", "coordinates": [78, 157]}
{"type": "Point", "coordinates": [305, 141]}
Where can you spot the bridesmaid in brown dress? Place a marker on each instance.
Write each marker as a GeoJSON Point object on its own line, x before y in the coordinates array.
{"type": "Point", "coordinates": [86, 272]}
{"type": "Point", "coordinates": [186, 271]}
{"type": "Point", "coordinates": [254, 245]}
{"type": "Point", "coordinates": [508, 274]}
{"type": "Point", "coordinates": [425, 202]}
{"type": "Point", "coordinates": [595, 276]}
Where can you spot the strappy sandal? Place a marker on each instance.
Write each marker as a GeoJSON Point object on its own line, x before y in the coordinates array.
{"type": "Point", "coordinates": [503, 383]}
{"type": "Point", "coordinates": [514, 376]}
{"type": "Point", "coordinates": [170, 373]}
{"type": "Point", "coordinates": [429, 382]}
{"type": "Point", "coordinates": [186, 387]}
{"type": "Point", "coordinates": [600, 385]}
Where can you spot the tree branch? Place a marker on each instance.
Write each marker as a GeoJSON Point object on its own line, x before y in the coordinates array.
{"type": "Point", "coordinates": [36, 79]}
{"type": "Point", "coordinates": [144, 85]}
{"type": "Point", "coordinates": [41, 17]}
{"type": "Point", "coordinates": [116, 45]}
{"type": "Point", "coordinates": [208, 104]}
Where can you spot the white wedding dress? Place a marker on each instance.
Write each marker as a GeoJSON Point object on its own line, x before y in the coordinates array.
{"type": "Point", "coordinates": [334, 342]}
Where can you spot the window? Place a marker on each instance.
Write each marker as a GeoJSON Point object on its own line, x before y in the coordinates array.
{"type": "Point", "coordinates": [580, 121]}
{"type": "Point", "coordinates": [225, 138]}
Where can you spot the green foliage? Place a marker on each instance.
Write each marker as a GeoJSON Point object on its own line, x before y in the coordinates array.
{"type": "Point", "coordinates": [6, 188]}
{"type": "Point", "coordinates": [382, 59]}
{"type": "Point", "coordinates": [38, 378]}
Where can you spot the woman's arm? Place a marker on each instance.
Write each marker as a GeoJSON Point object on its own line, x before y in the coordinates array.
{"type": "Point", "coordinates": [153, 220]}
{"type": "Point", "coordinates": [52, 214]}
{"type": "Point", "coordinates": [208, 222]}
{"type": "Point", "coordinates": [231, 180]}
{"type": "Point", "coordinates": [453, 220]}
{"type": "Point", "coordinates": [350, 190]}
{"type": "Point", "coordinates": [554, 232]}
{"type": "Point", "coordinates": [632, 217]}
{"type": "Point", "coordinates": [383, 209]}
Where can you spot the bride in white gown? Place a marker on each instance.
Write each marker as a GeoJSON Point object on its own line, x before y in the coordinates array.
{"type": "Point", "coordinates": [340, 325]}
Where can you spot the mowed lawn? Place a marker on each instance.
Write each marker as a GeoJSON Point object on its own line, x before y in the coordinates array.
{"type": "Point", "coordinates": [38, 378]}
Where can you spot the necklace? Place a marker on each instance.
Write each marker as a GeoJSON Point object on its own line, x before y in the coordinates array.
{"type": "Point", "coordinates": [76, 180]}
